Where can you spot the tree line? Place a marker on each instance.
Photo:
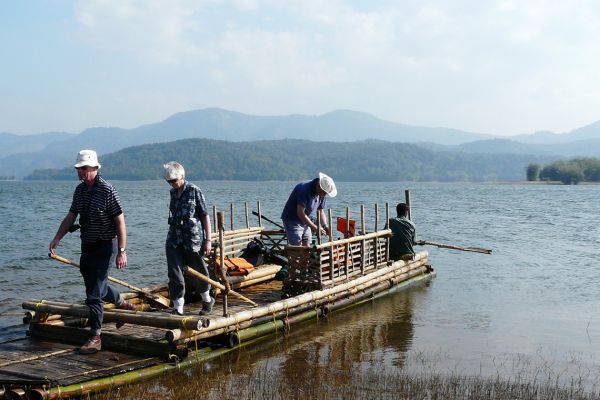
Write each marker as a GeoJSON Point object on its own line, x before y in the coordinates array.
{"type": "Point", "coordinates": [569, 172]}
{"type": "Point", "coordinates": [291, 159]}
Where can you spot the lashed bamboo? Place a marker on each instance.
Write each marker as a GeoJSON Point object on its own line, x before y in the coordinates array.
{"type": "Point", "coordinates": [162, 320]}
{"type": "Point", "coordinates": [385, 272]}
{"type": "Point", "coordinates": [402, 273]}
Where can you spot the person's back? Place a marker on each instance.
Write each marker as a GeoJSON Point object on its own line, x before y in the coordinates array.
{"type": "Point", "coordinates": [403, 234]}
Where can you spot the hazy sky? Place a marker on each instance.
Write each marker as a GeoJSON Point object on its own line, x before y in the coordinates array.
{"type": "Point", "coordinates": [500, 67]}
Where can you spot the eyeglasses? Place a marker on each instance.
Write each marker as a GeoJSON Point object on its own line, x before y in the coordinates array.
{"type": "Point", "coordinates": [171, 181]}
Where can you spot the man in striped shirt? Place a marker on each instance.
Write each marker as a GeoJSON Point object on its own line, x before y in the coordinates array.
{"type": "Point", "coordinates": [103, 241]}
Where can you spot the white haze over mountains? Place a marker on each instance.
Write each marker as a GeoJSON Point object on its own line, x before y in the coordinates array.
{"type": "Point", "coordinates": [495, 67]}
{"type": "Point", "coordinates": [20, 155]}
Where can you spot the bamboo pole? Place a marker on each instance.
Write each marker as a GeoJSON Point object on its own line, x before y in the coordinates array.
{"type": "Point", "coordinates": [162, 320]}
{"type": "Point", "coordinates": [330, 220]}
{"type": "Point", "coordinates": [246, 214]}
{"type": "Point", "coordinates": [387, 226]}
{"type": "Point", "coordinates": [407, 201]}
{"type": "Point", "coordinates": [153, 297]}
{"type": "Point", "coordinates": [222, 253]}
{"type": "Point", "coordinates": [231, 218]}
{"type": "Point", "coordinates": [268, 220]}
{"type": "Point", "coordinates": [347, 246]}
{"type": "Point", "coordinates": [216, 284]}
{"type": "Point", "coordinates": [448, 246]}
{"type": "Point", "coordinates": [318, 227]}
{"type": "Point", "coordinates": [259, 214]}
{"type": "Point", "coordinates": [363, 244]}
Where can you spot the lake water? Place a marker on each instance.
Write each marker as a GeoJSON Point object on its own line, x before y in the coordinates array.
{"type": "Point", "coordinates": [529, 308]}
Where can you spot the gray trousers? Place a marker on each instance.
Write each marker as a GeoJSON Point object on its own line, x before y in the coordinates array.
{"type": "Point", "coordinates": [177, 259]}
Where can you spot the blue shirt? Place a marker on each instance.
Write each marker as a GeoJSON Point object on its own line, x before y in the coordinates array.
{"type": "Point", "coordinates": [185, 225]}
{"type": "Point", "coordinates": [97, 208]}
{"type": "Point", "coordinates": [304, 194]}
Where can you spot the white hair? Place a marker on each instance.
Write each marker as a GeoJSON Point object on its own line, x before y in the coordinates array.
{"type": "Point", "coordinates": [174, 170]}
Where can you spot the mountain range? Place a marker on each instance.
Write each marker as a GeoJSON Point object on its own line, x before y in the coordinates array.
{"type": "Point", "coordinates": [20, 155]}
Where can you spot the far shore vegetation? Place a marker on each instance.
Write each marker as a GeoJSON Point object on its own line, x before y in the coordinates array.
{"type": "Point", "coordinates": [569, 172]}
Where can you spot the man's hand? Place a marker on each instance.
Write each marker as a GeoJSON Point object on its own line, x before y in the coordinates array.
{"type": "Point", "coordinates": [121, 260]}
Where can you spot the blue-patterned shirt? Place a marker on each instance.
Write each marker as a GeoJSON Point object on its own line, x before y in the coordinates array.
{"type": "Point", "coordinates": [185, 212]}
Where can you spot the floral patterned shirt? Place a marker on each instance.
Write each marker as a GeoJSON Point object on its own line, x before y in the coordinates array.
{"type": "Point", "coordinates": [185, 212]}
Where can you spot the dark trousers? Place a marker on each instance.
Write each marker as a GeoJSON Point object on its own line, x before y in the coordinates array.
{"type": "Point", "coordinates": [96, 259]}
{"type": "Point", "coordinates": [177, 259]}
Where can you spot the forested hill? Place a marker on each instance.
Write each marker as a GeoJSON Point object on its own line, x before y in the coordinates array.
{"type": "Point", "coordinates": [207, 159]}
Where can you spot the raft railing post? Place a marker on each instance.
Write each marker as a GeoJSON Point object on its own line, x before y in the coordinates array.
{"type": "Point", "coordinates": [246, 214]}
{"type": "Point", "coordinates": [363, 258]}
{"type": "Point", "coordinates": [347, 245]}
{"type": "Point", "coordinates": [222, 254]}
{"type": "Point", "coordinates": [407, 201]}
{"type": "Point", "coordinates": [259, 214]}
{"type": "Point", "coordinates": [215, 225]}
{"type": "Point", "coordinates": [318, 227]}
{"type": "Point", "coordinates": [375, 249]}
{"type": "Point", "coordinates": [331, 263]}
{"type": "Point", "coordinates": [387, 226]}
{"type": "Point", "coordinates": [231, 218]}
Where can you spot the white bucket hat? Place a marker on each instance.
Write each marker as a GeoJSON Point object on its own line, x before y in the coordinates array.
{"type": "Point", "coordinates": [327, 184]}
{"type": "Point", "coordinates": [87, 158]}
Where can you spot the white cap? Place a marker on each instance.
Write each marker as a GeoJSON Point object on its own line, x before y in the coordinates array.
{"type": "Point", "coordinates": [87, 158]}
{"type": "Point", "coordinates": [327, 184]}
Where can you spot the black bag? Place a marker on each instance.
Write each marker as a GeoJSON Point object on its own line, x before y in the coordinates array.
{"type": "Point", "coordinates": [255, 252]}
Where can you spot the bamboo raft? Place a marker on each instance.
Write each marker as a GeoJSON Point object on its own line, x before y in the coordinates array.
{"type": "Point", "coordinates": [327, 276]}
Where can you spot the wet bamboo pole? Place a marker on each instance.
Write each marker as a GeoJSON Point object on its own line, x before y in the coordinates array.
{"type": "Point", "coordinates": [387, 272]}
{"type": "Point", "coordinates": [404, 271]}
{"type": "Point", "coordinates": [246, 214]}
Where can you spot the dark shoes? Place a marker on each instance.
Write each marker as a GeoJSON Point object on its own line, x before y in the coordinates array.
{"type": "Point", "coordinates": [93, 345]}
{"type": "Point", "coordinates": [175, 312]}
{"type": "Point", "coordinates": [126, 306]}
{"type": "Point", "coordinates": [207, 306]}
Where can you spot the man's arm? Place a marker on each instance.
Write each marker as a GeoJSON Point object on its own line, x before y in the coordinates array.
{"type": "Point", "coordinates": [121, 261]}
{"type": "Point", "coordinates": [207, 245]}
{"type": "Point", "coordinates": [66, 223]}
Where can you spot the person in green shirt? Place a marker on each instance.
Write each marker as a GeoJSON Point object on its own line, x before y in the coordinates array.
{"type": "Point", "coordinates": [403, 234]}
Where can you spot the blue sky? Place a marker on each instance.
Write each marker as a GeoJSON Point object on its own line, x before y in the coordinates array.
{"type": "Point", "coordinates": [500, 67]}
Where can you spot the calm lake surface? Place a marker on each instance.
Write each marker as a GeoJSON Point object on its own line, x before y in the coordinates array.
{"type": "Point", "coordinates": [530, 308]}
